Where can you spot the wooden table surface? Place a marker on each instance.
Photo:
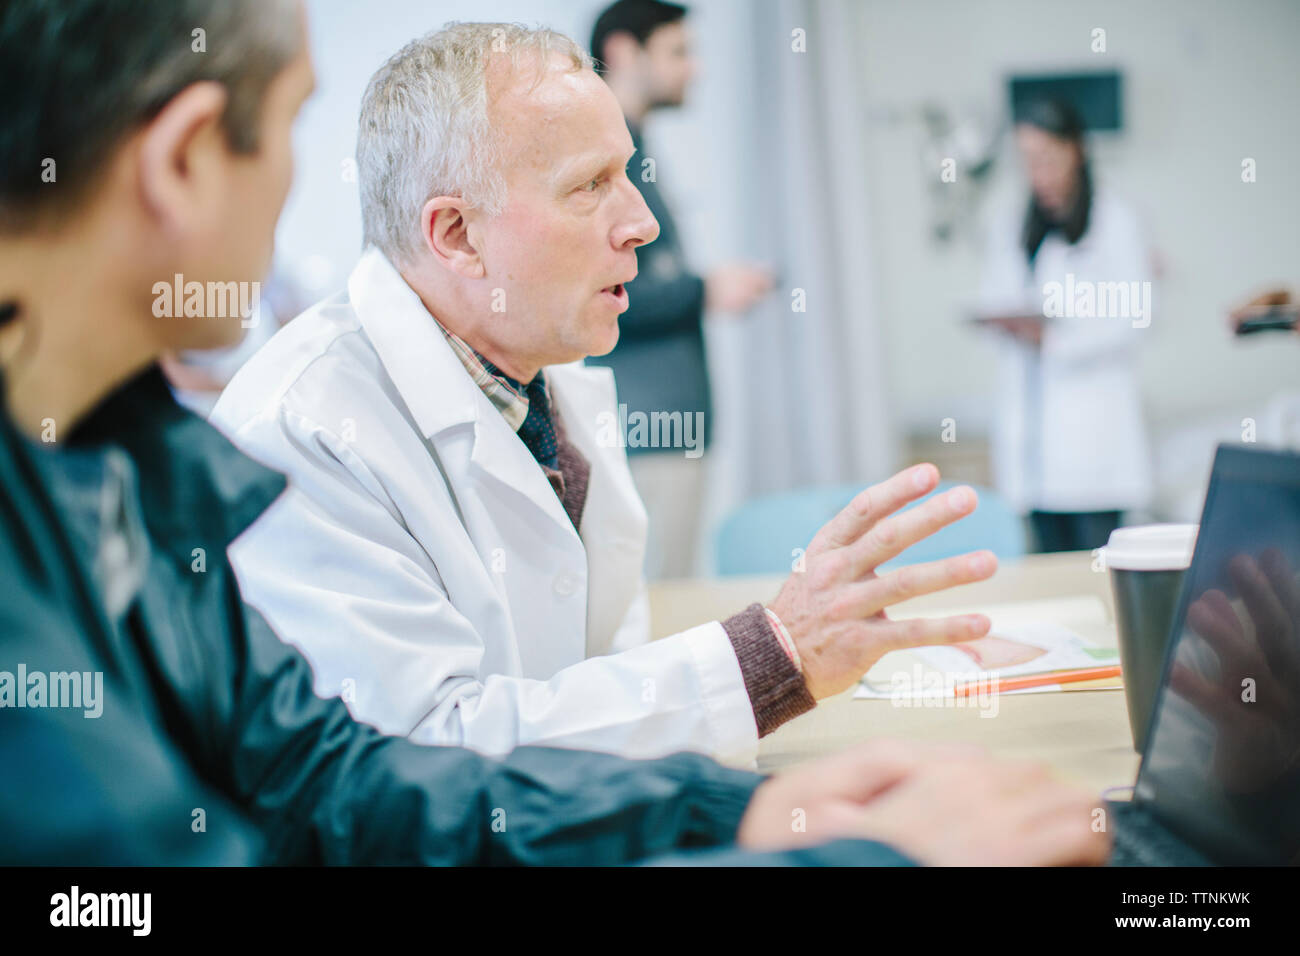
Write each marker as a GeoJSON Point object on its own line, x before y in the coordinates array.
{"type": "Point", "coordinates": [1084, 735]}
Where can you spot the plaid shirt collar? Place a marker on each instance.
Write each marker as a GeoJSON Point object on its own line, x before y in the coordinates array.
{"type": "Point", "coordinates": [533, 421]}
{"type": "Point", "coordinates": [505, 394]}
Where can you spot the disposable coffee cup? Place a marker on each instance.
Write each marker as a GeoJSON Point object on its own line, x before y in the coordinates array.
{"type": "Point", "coordinates": [1146, 565]}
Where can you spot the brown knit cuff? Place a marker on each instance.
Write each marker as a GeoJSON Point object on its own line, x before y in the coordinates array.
{"type": "Point", "coordinates": [776, 689]}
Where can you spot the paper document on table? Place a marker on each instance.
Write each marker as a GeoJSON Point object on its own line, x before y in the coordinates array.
{"type": "Point", "coordinates": [1027, 638]}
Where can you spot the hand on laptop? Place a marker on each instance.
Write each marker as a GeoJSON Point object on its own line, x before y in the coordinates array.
{"type": "Point", "coordinates": [835, 607]}
{"type": "Point", "coordinates": [940, 804]}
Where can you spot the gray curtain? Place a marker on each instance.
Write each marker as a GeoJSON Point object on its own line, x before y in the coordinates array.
{"type": "Point", "coordinates": [800, 396]}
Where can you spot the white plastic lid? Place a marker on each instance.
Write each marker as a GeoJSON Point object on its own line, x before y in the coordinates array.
{"type": "Point", "coordinates": [1151, 547]}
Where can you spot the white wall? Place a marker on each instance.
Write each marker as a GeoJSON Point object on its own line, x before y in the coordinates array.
{"type": "Point", "coordinates": [1206, 84]}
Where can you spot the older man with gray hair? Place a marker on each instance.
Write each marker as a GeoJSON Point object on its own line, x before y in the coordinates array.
{"type": "Point", "coordinates": [460, 551]}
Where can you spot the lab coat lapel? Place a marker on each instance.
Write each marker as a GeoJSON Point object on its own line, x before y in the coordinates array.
{"type": "Point", "coordinates": [439, 392]}
{"type": "Point", "coordinates": [500, 457]}
{"type": "Point", "coordinates": [614, 519]}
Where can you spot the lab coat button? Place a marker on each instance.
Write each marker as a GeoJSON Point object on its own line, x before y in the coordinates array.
{"type": "Point", "coordinates": [566, 583]}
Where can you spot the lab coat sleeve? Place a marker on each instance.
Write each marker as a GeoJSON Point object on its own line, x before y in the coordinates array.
{"type": "Point", "coordinates": [1005, 280]}
{"type": "Point", "coordinates": [635, 627]}
{"type": "Point", "coordinates": [336, 573]}
{"type": "Point", "coordinates": [1077, 342]}
{"type": "Point", "coordinates": [1006, 286]}
{"type": "Point", "coordinates": [1123, 282]}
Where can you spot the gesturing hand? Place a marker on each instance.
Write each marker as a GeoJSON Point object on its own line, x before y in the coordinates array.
{"type": "Point", "coordinates": [834, 609]}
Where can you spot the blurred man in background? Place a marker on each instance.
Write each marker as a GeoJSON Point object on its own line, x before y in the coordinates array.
{"type": "Point", "coordinates": [642, 49]}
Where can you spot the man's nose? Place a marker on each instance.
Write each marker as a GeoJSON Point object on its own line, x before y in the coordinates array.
{"type": "Point", "coordinates": [638, 225]}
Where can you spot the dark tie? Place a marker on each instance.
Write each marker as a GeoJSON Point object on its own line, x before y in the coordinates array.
{"type": "Point", "coordinates": [538, 430]}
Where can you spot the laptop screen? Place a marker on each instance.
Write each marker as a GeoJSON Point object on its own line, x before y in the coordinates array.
{"type": "Point", "coordinates": [1222, 763]}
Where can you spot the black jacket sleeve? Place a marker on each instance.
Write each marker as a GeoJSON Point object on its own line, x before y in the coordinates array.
{"type": "Point", "coordinates": [318, 787]}
{"type": "Point", "coordinates": [328, 789]}
{"type": "Point", "coordinates": [835, 853]}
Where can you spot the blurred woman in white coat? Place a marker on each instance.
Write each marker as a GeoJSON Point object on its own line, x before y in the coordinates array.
{"type": "Point", "coordinates": [1070, 279]}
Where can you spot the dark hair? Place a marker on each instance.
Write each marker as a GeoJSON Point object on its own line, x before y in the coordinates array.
{"type": "Point", "coordinates": [79, 75]}
{"type": "Point", "coordinates": [637, 17]}
{"type": "Point", "coordinates": [1057, 118]}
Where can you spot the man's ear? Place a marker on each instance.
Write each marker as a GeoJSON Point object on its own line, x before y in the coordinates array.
{"type": "Point", "coordinates": [445, 227]}
{"type": "Point", "coordinates": [621, 49]}
{"type": "Point", "coordinates": [180, 154]}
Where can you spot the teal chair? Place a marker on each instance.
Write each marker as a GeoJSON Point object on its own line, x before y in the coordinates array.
{"type": "Point", "coordinates": [760, 537]}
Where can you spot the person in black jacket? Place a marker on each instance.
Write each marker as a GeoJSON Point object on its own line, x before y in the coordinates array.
{"type": "Point", "coordinates": [642, 49]}
{"type": "Point", "coordinates": [149, 716]}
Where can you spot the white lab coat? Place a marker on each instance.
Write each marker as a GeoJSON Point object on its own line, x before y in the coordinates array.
{"type": "Point", "coordinates": [1068, 432]}
{"type": "Point", "coordinates": [422, 562]}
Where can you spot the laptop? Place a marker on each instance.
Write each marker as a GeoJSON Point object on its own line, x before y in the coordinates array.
{"type": "Point", "coordinates": [1219, 782]}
